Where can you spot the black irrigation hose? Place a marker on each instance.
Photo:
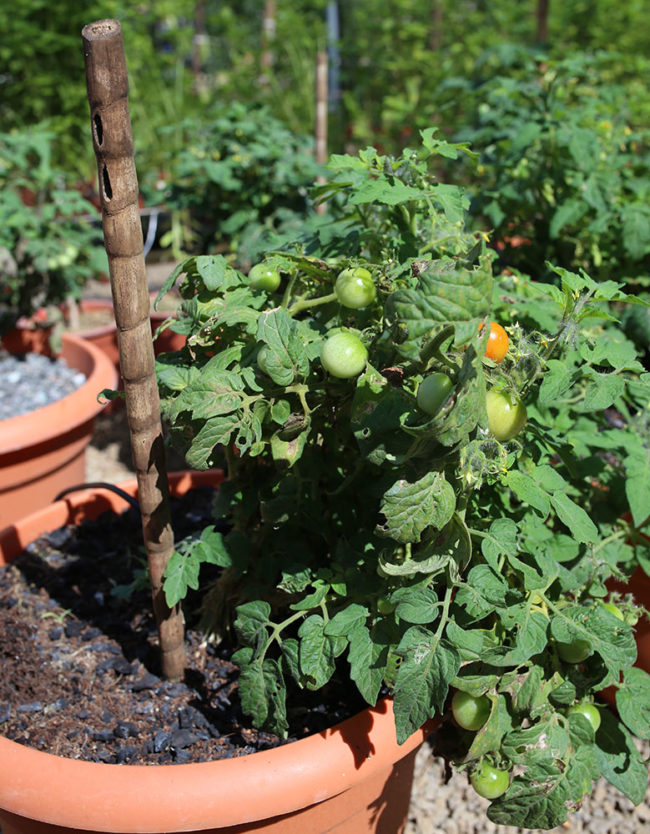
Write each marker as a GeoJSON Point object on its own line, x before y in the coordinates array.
{"type": "Point", "coordinates": [101, 485]}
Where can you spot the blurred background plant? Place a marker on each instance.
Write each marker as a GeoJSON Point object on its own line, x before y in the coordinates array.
{"type": "Point", "coordinates": [553, 98]}
{"type": "Point", "coordinates": [50, 238]}
{"type": "Point", "coordinates": [240, 185]}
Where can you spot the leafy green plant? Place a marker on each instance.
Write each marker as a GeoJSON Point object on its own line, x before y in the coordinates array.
{"type": "Point", "coordinates": [564, 175]}
{"type": "Point", "coordinates": [241, 182]}
{"type": "Point", "coordinates": [49, 246]}
{"type": "Point", "coordinates": [420, 551]}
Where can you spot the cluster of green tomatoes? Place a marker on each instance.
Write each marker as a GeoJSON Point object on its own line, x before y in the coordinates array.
{"type": "Point", "coordinates": [471, 712]}
{"type": "Point", "coordinates": [344, 356]}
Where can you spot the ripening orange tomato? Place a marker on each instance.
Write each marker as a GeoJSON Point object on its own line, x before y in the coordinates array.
{"type": "Point", "coordinates": [498, 342]}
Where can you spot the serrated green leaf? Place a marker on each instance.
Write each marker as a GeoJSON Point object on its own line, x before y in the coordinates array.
{"type": "Point", "coordinates": [500, 540]}
{"type": "Point", "coordinates": [181, 573]}
{"type": "Point", "coordinates": [575, 518]}
{"type": "Point", "coordinates": [450, 551]}
{"type": "Point", "coordinates": [528, 490]}
{"type": "Point", "coordinates": [415, 605]}
{"type": "Point", "coordinates": [633, 701]}
{"type": "Point", "coordinates": [317, 652]}
{"type": "Point", "coordinates": [529, 635]}
{"type": "Point", "coordinates": [447, 292]}
{"type": "Point", "coordinates": [618, 759]}
{"type": "Point", "coordinates": [411, 508]}
{"type": "Point", "coordinates": [215, 431]}
{"type": "Point", "coordinates": [483, 590]}
{"type": "Point", "coordinates": [212, 549]}
{"type": "Point", "coordinates": [427, 668]}
{"type": "Point", "coordinates": [262, 694]}
{"type": "Point", "coordinates": [286, 359]}
{"type": "Point", "coordinates": [602, 392]}
{"type": "Point", "coordinates": [252, 621]}
{"type": "Point", "coordinates": [637, 484]}
{"type": "Point", "coordinates": [347, 620]}
{"type": "Point", "coordinates": [366, 668]}
{"type": "Point", "coordinates": [557, 382]}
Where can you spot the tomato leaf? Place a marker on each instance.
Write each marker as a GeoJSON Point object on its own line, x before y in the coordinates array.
{"type": "Point", "coordinates": [633, 701]}
{"type": "Point", "coordinates": [427, 668]}
{"type": "Point", "coordinates": [365, 655]}
{"type": "Point", "coordinates": [618, 759]}
{"type": "Point", "coordinates": [317, 652]}
{"type": "Point", "coordinates": [410, 508]}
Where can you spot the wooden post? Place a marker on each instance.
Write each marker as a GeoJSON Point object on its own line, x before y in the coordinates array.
{"type": "Point", "coordinates": [320, 129]}
{"type": "Point", "coordinates": [542, 21]}
{"type": "Point", "coordinates": [435, 38]}
{"type": "Point", "coordinates": [268, 34]}
{"type": "Point", "coordinates": [107, 84]}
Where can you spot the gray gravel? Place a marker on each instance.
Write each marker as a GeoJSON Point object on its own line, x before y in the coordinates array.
{"type": "Point", "coordinates": [30, 381]}
{"type": "Point", "coordinates": [455, 808]}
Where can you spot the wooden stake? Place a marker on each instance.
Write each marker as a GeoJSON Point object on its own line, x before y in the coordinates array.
{"type": "Point", "coordinates": [320, 129]}
{"type": "Point", "coordinates": [107, 84]}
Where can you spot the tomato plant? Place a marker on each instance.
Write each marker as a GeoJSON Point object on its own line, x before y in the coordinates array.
{"type": "Point", "coordinates": [488, 781]}
{"type": "Point", "coordinates": [497, 343]}
{"type": "Point", "coordinates": [433, 391]}
{"type": "Point", "coordinates": [344, 355]}
{"type": "Point", "coordinates": [264, 277]}
{"type": "Point", "coordinates": [415, 553]}
{"type": "Point", "coordinates": [354, 288]}
{"type": "Point", "coordinates": [588, 711]}
{"type": "Point", "coordinates": [470, 712]}
{"type": "Point", "coordinates": [506, 414]}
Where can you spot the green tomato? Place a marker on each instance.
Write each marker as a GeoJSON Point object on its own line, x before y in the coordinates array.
{"type": "Point", "coordinates": [488, 781]}
{"type": "Point", "coordinates": [506, 415]}
{"type": "Point", "coordinates": [433, 392]}
{"type": "Point", "coordinates": [262, 358]}
{"type": "Point", "coordinates": [574, 652]}
{"type": "Point", "coordinates": [588, 711]}
{"type": "Point", "coordinates": [355, 288]}
{"type": "Point", "coordinates": [613, 609]}
{"type": "Point", "coordinates": [343, 355]}
{"type": "Point", "coordinates": [263, 277]}
{"type": "Point", "coordinates": [385, 606]}
{"type": "Point", "coordinates": [470, 712]}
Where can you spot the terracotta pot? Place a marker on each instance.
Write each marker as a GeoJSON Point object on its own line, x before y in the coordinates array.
{"type": "Point", "coordinates": [105, 335]}
{"type": "Point", "coordinates": [25, 337]}
{"type": "Point", "coordinates": [44, 451]}
{"type": "Point", "coordinates": [351, 779]}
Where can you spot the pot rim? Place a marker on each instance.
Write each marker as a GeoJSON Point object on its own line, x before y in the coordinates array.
{"type": "Point", "coordinates": [187, 797]}
{"type": "Point", "coordinates": [71, 411]}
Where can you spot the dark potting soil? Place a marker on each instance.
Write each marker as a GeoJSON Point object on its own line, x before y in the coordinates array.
{"type": "Point", "coordinates": [30, 381]}
{"type": "Point", "coordinates": [79, 673]}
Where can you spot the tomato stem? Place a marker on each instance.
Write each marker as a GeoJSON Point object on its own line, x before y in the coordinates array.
{"type": "Point", "coordinates": [306, 303]}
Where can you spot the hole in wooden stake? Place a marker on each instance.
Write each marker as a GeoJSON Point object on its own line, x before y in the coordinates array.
{"type": "Point", "coordinates": [99, 129]}
{"type": "Point", "coordinates": [108, 191]}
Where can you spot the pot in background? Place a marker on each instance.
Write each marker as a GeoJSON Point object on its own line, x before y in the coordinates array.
{"type": "Point", "coordinates": [44, 451]}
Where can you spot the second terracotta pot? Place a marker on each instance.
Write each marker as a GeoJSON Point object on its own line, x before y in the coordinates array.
{"type": "Point", "coordinates": [104, 335]}
{"type": "Point", "coordinates": [43, 452]}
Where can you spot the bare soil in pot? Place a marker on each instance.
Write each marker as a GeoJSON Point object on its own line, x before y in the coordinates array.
{"type": "Point", "coordinates": [80, 672]}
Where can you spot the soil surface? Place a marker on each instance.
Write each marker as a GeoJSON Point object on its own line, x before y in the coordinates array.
{"type": "Point", "coordinates": [79, 660]}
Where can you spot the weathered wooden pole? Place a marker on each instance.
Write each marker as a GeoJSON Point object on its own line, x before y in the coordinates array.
{"type": "Point", "coordinates": [320, 127]}
{"type": "Point", "coordinates": [107, 84]}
